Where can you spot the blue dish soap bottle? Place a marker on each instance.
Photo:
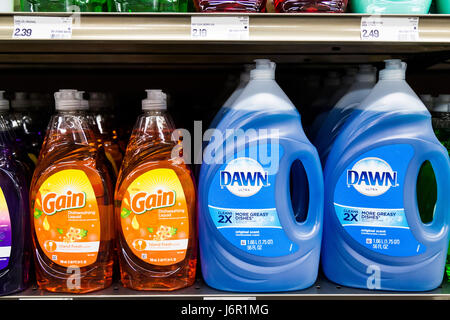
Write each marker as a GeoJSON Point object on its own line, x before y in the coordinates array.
{"type": "Point", "coordinates": [363, 83]}
{"type": "Point", "coordinates": [373, 236]}
{"type": "Point", "coordinates": [249, 238]}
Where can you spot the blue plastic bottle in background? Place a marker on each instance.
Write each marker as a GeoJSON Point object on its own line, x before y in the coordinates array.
{"type": "Point", "coordinates": [243, 81]}
{"type": "Point", "coordinates": [373, 235]}
{"type": "Point", "coordinates": [250, 240]}
{"type": "Point", "coordinates": [363, 83]}
{"type": "Point", "coordinates": [14, 218]}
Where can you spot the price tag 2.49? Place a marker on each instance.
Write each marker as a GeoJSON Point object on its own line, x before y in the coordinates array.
{"type": "Point", "coordinates": [377, 28]}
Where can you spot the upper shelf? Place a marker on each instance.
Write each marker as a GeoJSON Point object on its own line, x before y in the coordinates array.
{"type": "Point", "coordinates": [166, 37]}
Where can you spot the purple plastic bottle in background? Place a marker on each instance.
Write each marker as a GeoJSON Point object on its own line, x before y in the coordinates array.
{"type": "Point", "coordinates": [14, 218]}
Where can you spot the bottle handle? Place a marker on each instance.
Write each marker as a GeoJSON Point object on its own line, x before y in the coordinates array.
{"type": "Point", "coordinates": [310, 160]}
{"type": "Point", "coordinates": [440, 164]}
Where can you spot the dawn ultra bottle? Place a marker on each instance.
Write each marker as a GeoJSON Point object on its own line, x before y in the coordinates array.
{"type": "Point", "coordinates": [374, 236]}
{"type": "Point", "coordinates": [250, 240]}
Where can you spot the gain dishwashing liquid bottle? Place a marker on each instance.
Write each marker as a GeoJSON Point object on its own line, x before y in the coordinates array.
{"type": "Point", "coordinates": [374, 236]}
{"type": "Point", "coordinates": [155, 205]}
{"type": "Point", "coordinates": [101, 108]}
{"type": "Point", "coordinates": [250, 239]}
{"type": "Point", "coordinates": [71, 198]}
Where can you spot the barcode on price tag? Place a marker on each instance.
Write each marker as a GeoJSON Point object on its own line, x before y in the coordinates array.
{"type": "Point", "coordinates": [220, 28]}
{"type": "Point", "coordinates": [32, 27]}
{"type": "Point", "coordinates": [377, 28]}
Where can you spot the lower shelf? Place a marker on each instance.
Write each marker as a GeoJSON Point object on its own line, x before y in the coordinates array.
{"type": "Point", "coordinates": [321, 290]}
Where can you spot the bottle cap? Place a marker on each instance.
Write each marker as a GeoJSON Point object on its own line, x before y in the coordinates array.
{"type": "Point", "coordinates": [4, 104]}
{"type": "Point", "coordinates": [264, 70]}
{"type": "Point", "coordinates": [395, 69]}
{"type": "Point", "coordinates": [70, 100]}
{"type": "Point", "coordinates": [156, 100]}
{"type": "Point", "coordinates": [20, 101]}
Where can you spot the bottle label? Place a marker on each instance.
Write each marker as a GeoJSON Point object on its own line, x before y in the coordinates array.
{"type": "Point", "coordinates": [155, 219]}
{"type": "Point", "coordinates": [5, 232]}
{"type": "Point", "coordinates": [67, 219]}
{"type": "Point", "coordinates": [242, 206]}
{"type": "Point", "coordinates": [368, 201]}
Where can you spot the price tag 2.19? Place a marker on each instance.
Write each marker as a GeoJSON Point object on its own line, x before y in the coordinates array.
{"type": "Point", "coordinates": [32, 27]}
{"type": "Point", "coordinates": [377, 28]}
{"type": "Point", "coordinates": [220, 27]}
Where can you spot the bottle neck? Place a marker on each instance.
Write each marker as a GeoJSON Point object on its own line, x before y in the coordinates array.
{"type": "Point", "coordinates": [71, 127]}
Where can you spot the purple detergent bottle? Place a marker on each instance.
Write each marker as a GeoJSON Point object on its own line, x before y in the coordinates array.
{"type": "Point", "coordinates": [14, 218]}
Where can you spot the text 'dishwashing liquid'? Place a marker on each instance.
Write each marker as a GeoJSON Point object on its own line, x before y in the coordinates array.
{"type": "Point", "coordinates": [155, 205]}
{"type": "Point", "coordinates": [72, 203]}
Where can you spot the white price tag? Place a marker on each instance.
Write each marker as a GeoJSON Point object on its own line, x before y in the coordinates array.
{"type": "Point", "coordinates": [220, 28]}
{"type": "Point", "coordinates": [377, 28]}
{"type": "Point", "coordinates": [31, 27]}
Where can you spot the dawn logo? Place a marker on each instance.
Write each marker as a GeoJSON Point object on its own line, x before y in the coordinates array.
{"type": "Point", "coordinates": [244, 177]}
{"type": "Point", "coordinates": [372, 177]}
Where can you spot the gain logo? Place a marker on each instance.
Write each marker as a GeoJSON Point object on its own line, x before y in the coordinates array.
{"type": "Point", "coordinates": [372, 177]}
{"type": "Point", "coordinates": [244, 177]}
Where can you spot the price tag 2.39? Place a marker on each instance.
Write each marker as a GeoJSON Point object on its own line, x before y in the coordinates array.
{"type": "Point", "coordinates": [377, 28]}
{"type": "Point", "coordinates": [32, 27]}
{"type": "Point", "coordinates": [220, 27]}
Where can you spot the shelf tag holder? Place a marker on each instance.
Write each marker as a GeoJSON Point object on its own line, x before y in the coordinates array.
{"type": "Point", "coordinates": [220, 27]}
{"type": "Point", "coordinates": [379, 28]}
{"type": "Point", "coordinates": [36, 27]}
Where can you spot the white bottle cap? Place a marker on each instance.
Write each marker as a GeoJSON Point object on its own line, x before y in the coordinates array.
{"type": "Point", "coordinates": [4, 104]}
{"type": "Point", "coordinates": [442, 103]}
{"type": "Point", "coordinates": [264, 70]}
{"type": "Point", "coordinates": [366, 73]}
{"type": "Point", "coordinates": [156, 100]}
{"type": "Point", "coordinates": [395, 69]}
{"type": "Point", "coordinates": [70, 100]}
{"type": "Point", "coordinates": [20, 101]}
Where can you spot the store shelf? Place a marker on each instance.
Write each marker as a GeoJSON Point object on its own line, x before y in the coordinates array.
{"type": "Point", "coordinates": [156, 38]}
{"type": "Point", "coordinates": [162, 41]}
{"type": "Point", "coordinates": [321, 290]}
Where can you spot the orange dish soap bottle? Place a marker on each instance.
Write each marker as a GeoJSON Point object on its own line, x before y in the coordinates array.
{"type": "Point", "coordinates": [155, 205]}
{"type": "Point", "coordinates": [72, 203]}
